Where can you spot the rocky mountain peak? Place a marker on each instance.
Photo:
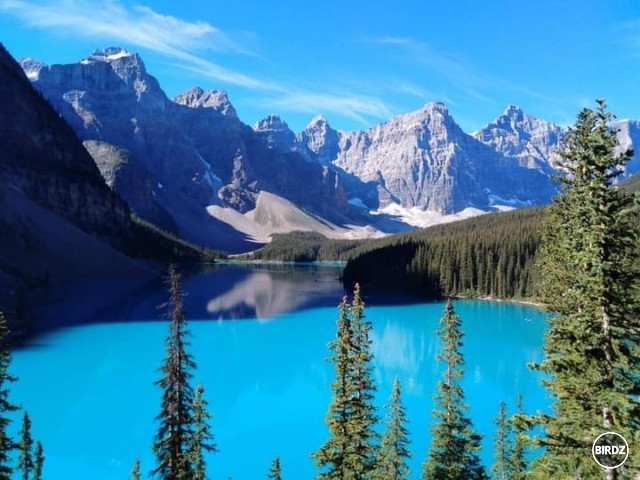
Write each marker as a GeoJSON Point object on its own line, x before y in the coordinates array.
{"type": "Point", "coordinates": [320, 139]}
{"type": "Point", "coordinates": [276, 133]}
{"type": "Point", "coordinates": [530, 141]}
{"type": "Point", "coordinates": [109, 54]}
{"type": "Point", "coordinates": [217, 100]}
{"type": "Point", "coordinates": [31, 67]}
{"type": "Point", "coordinates": [318, 122]}
{"type": "Point", "coordinates": [513, 111]}
{"type": "Point", "coordinates": [436, 107]}
{"type": "Point", "coordinates": [271, 123]}
{"type": "Point", "coordinates": [126, 65]}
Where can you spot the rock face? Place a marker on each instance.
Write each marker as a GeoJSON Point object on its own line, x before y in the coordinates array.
{"type": "Point", "coordinates": [424, 159]}
{"type": "Point", "coordinates": [190, 153]}
{"type": "Point", "coordinates": [629, 139]}
{"type": "Point", "coordinates": [529, 141]}
{"type": "Point", "coordinates": [183, 163]}
{"type": "Point", "coordinates": [43, 158]}
{"type": "Point", "coordinates": [214, 99]}
{"type": "Point", "coordinates": [58, 219]}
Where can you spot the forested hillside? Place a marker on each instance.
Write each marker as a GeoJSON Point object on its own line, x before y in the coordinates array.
{"type": "Point", "coordinates": [491, 255]}
{"type": "Point", "coordinates": [305, 247]}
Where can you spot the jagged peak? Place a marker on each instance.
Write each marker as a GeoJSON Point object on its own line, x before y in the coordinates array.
{"type": "Point", "coordinates": [197, 97]}
{"type": "Point", "coordinates": [512, 110]}
{"type": "Point", "coordinates": [318, 119]}
{"type": "Point", "coordinates": [31, 67]}
{"type": "Point", "coordinates": [436, 107]}
{"type": "Point", "coordinates": [110, 54]}
{"type": "Point", "coordinates": [271, 122]}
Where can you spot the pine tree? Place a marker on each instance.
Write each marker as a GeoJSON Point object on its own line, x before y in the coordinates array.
{"type": "Point", "coordinates": [394, 449]}
{"type": "Point", "coordinates": [38, 463]}
{"type": "Point", "coordinates": [202, 438]}
{"type": "Point", "coordinates": [503, 449]}
{"type": "Point", "coordinates": [176, 417]}
{"type": "Point", "coordinates": [7, 445]}
{"type": "Point", "coordinates": [331, 458]}
{"type": "Point", "coordinates": [363, 414]}
{"type": "Point", "coordinates": [590, 281]}
{"type": "Point", "coordinates": [519, 425]}
{"type": "Point", "coordinates": [455, 445]}
{"type": "Point", "coordinates": [275, 471]}
{"type": "Point", "coordinates": [25, 461]}
{"type": "Point", "coordinates": [351, 449]}
{"type": "Point", "coordinates": [135, 472]}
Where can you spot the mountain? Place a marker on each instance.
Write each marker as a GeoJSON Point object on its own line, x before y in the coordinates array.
{"type": "Point", "coordinates": [191, 166]}
{"type": "Point", "coordinates": [424, 159]}
{"type": "Point", "coordinates": [629, 138]}
{"type": "Point", "coordinates": [59, 221]}
{"type": "Point", "coordinates": [186, 155]}
{"type": "Point", "coordinates": [529, 141]}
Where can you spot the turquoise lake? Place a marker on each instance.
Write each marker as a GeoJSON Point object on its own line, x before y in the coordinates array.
{"type": "Point", "coordinates": [259, 337]}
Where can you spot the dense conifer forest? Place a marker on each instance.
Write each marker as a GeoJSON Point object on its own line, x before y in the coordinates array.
{"type": "Point", "coordinates": [492, 255]}
{"type": "Point", "coordinates": [305, 247]}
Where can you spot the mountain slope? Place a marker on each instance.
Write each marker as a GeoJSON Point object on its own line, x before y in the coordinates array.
{"type": "Point", "coordinates": [424, 159]}
{"type": "Point", "coordinates": [60, 221]}
{"type": "Point", "coordinates": [529, 141]}
{"type": "Point", "coordinates": [190, 165]}
{"type": "Point", "coordinates": [191, 153]}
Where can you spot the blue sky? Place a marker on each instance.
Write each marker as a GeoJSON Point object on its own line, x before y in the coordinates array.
{"type": "Point", "coordinates": [358, 62]}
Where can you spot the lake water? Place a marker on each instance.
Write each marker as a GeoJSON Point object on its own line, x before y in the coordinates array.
{"type": "Point", "coordinates": [259, 337]}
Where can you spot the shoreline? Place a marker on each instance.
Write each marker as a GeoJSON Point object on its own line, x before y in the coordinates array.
{"type": "Point", "coordinates": [529, 303]}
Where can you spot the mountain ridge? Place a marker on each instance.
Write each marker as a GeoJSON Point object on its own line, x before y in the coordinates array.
{"type": "Point", "coordinates": [419, 160]}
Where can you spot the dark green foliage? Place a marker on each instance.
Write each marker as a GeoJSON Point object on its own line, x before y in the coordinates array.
{"type": "Point", "coordinates": [176, 417]}
{"type": "Point", "coordinates": [202, 438]}
{"type": "Point", "coordinates": [38, 462]}
{"type": "Point", "coordinates": [304, 247]}
{"type": "Point", "coordinates": [590, 279]}
{"type": "Point", "coordinates": [394, 448]}
{"type": "Point", "coordinates": [519, 425]}
{"type": "Point", "coordinates": [350, 451]}
{"type": "Point", "coordinates": [502, 447]}
{"type": "Point", "coordinates": [491, 255]}
{"type": "Point", "coordinates": [135, 471]}
{"type": "Point", "coordinates": [331, 458]}
{"type": "Point", "coordinates": [363, 413]}
{"type": "Point", "coordinates": [7, 445]}
{"type": "Point", "coordinates": [455, 445]}
{"type": "Point", "coordinates": [275, 471]}
{"type": "Point", "coordinates": [25, 460]}
{"type": "Point", "coordinates": [148, 241]}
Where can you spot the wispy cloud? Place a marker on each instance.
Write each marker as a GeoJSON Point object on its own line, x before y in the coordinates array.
{"type": "Point", "coordinates": [356, 107]}
{"type": "Point", "coordinates": [471, 81]}
{"type": "Point", "coordinates": [185, 45]}
{"type": "Point", "coordinates": [140, 27]}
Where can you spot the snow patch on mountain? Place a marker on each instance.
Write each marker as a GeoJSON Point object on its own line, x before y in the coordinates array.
{"type": "Point", "coordinates": [419, 218]}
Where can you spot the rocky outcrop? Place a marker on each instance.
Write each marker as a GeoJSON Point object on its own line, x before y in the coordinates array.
{"type": "Point", "coordinates": [59, 221]}
{"type": "Point", "coordinates": [531, 142]}
{"type": "Point", "coordinates": [214, 99]}
{"type": "Point", "coordinates": [189, 154]}
{"type": "Point", "coordinates": [424, 159]}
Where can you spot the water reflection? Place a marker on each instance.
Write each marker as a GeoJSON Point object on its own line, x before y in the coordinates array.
{"type": "Point", "coordinates": [213, 292]}
{"type": "Point", "coordinates": [263, 294]}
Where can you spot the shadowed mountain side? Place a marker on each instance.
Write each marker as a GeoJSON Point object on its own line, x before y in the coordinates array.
{"type": "Point", "coordinates": [60, 221]}
{"type": "Point", "coordinates": [213, 293]}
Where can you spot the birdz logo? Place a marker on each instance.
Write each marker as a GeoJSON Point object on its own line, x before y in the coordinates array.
{"type": "Point", "coordinates": [610, 450]}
